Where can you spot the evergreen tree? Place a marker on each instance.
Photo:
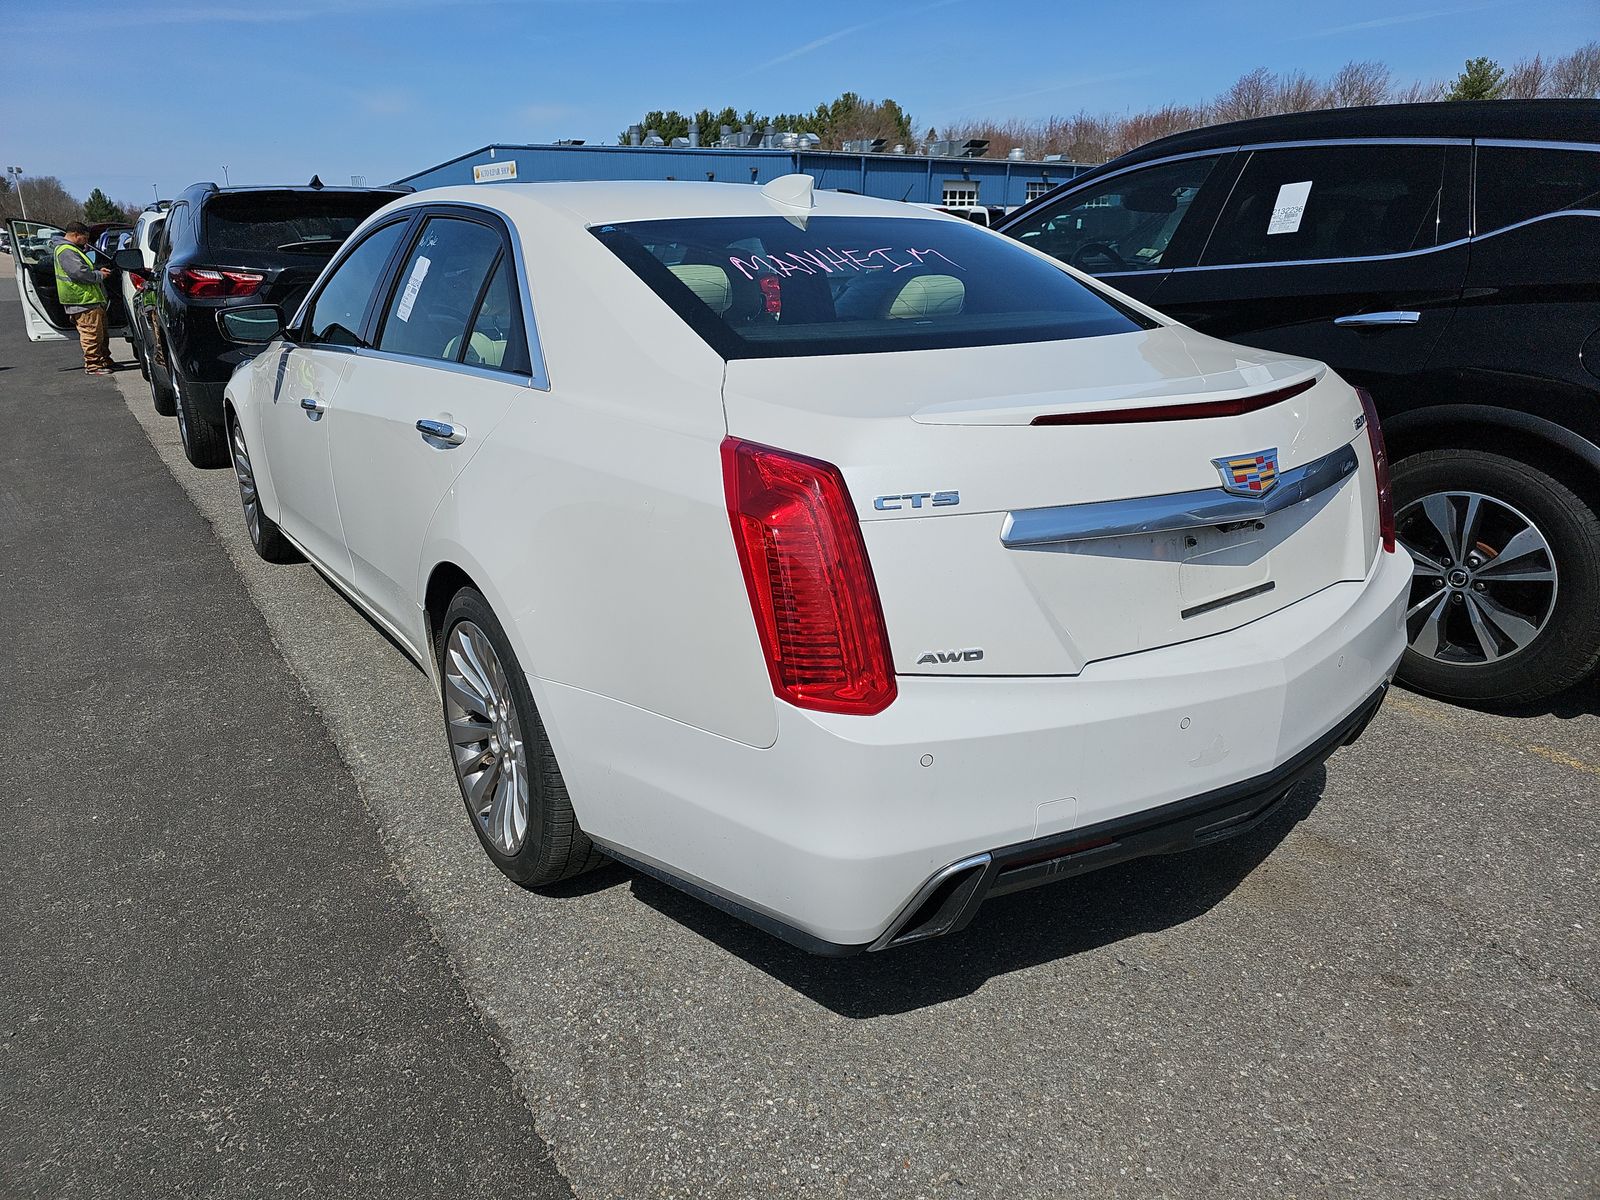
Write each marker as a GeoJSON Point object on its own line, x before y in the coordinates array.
{"type": "Point", "coordinates": [98, 208]}
{"type": "Point", "coordinates": [1483, 79]}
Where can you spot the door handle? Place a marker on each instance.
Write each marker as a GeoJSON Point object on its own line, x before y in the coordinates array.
{"type": "Point", "coordinates": [314, 406]}
{"type": "Point", "coordinates": [442, 431]}
{"type": "Point", "coordinates": [1374, 320]}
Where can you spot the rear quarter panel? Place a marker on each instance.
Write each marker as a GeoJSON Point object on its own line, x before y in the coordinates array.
{"type": "Point", "coordinates": [612, 563]}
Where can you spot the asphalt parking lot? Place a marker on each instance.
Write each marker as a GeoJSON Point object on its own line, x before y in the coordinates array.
{"type": "Point", "coordinates": [1389, 991]}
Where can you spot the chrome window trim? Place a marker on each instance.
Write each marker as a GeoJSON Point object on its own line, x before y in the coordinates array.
{"type": "Point", "coordinates": [1525, 144]}
{"type": "Point", "coordinates": [1308, 143]}
{"type": "Point", "coordinates": [515, 378]}
{"type": "Point", "coordinates": [1175, 511]}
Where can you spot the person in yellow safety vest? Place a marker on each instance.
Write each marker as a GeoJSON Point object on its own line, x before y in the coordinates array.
{"type": "Point", "coordinates": [82, 291]}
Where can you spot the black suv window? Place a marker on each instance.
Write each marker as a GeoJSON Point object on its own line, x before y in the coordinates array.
{"type": "Point", "coordinates": [1126, 224]}
{"type": "Point", "coordinates": [438, 288]}
{"type": "Point", "coordinates": [1330, 202]}
{"type": "Point", "coordinates": [285, 222]}
{"type": "Point", "coordinates": [338, 311]}
{"type": "Point", "coordinates": [1517, 183]}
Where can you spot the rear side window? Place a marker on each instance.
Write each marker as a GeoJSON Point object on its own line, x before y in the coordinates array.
{"type": "Point", "coordinates": [770, 287]}
{"type": "Point", "coordinates": [1330, 202]}
{"type": "Point", "coordinates": [285, 222]}
{"type": "Point", "coordinates": [1517, 183]}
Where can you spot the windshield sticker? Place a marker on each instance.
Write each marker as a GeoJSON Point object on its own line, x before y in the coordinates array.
{"type": "Point", "coordinates": [827, 260]}
{"type": "Point", "coordinates": [1291, 206]}
{"type": "Point", "coordinates": [419, 272]}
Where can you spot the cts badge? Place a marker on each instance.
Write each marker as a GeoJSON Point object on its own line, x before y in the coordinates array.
{"type": "Point", "coordinates": [1249, 474]}
{"type": "Point", "coordinates": [917, 500]}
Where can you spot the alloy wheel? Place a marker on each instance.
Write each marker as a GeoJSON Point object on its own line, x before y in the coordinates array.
{"type": "Point", "coordinates": [1484, 578]}
{"type": "Point", "coordinates": [486, 740]}
{"type": "Point", "coordinates": [247, 483]}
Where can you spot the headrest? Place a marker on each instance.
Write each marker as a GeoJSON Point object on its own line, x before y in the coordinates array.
{"type": "Point", "coordinates": [930, 296]}
{"type": "Point", "coordinates": [707, 281]}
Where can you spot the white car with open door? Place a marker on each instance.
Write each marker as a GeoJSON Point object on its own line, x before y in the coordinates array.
{"type": "Point", "coordinates": [840, 563]}
{"type": "Point", "coordinates": [43, 318]}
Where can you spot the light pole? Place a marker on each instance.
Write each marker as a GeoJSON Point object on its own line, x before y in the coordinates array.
{"type": "Point", "coordinates": [225, 182]}
{"type": "Point", "coordinates": [155, 193]}
{"type": "Point", "coordinates": [16, 174]}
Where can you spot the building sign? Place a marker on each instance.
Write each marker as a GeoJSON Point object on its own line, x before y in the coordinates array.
{"type": "Point", "coordinates": [489, 172]}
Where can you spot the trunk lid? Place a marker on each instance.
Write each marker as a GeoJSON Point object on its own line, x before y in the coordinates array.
{"type": "Point", "coordinates": [964, 502]}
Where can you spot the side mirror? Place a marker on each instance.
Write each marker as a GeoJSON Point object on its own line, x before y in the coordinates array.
{"type": "Point", "coordinates": [252, 324]}
{"type": "Point", "coordinates": [130, 260]}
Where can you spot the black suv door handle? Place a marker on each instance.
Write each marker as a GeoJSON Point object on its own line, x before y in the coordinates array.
{"type": "Point", "coordinates": [314, 406]}
{"type": "Point", "coordinates": [1373, 320]}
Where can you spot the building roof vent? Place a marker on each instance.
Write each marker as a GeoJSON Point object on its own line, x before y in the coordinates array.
{"type": "Point", "coordinates": [1017, 154]}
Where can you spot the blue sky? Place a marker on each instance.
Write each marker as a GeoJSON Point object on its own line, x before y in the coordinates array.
{"type": "Point", "coordinates": [279, 89]}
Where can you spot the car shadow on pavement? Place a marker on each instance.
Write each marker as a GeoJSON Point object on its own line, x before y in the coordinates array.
{"type": "Point", "coordinates": [1009, 934]}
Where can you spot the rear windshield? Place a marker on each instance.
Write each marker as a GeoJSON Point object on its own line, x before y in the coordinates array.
{"type": "Point", "coordinates": [772, 287]}
{"type": "Point", "coordinates": [287, 222]}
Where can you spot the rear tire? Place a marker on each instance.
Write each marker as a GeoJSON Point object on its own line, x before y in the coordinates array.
{"type": "Point", "coordinates": [1486, 638]}
{"type": "Point", "coordinates": [204, 444]}
{"type": "Point", "coordinates": [504, 764]}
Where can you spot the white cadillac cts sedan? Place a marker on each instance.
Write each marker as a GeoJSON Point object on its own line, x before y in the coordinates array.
{"type": "Point", "coordinates": [839, 562]}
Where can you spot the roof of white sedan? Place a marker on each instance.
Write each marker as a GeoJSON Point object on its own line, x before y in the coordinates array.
{"type": "Point", "coordinates": [596, 202]}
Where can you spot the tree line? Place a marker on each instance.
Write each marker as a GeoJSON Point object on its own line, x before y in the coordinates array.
{"type": "Point", "coordinates": [846, 119]}
{"type": "Point", "coordinates": [48, 201]}
{"type": "Point", "coordinates": [1091, 137]}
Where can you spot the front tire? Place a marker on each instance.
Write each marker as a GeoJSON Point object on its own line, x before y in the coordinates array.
{"type": "Point", "coordinates": [265, 535]}
{"type": "Point", "coordinates": [204, 444]}
{"type": "Point", "coordinates": [1507, 578]}
{"type": "Point", "coordinates": [504, 764]}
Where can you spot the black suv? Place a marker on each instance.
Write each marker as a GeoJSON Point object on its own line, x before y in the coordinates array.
{"type": "Point", "coordinates": [1447, 258]}
{"type": "Point", "coordinates": [223, 247]}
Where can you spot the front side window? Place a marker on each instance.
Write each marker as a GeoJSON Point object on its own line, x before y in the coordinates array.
{"type": "Point", "coordinates": [340, 309]}
{"type": "Point", "coordinates": [1518, 183]}
{"type": "Point", "coordinates": [768, 287]}
{"type": "Point", "coordinates": [1330, 202]}
{"type": "Point", "coordinates": [438, 288]}
{"type": "Point", "coordinates": [1126, 224]}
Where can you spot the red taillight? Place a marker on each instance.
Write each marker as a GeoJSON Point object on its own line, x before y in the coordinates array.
{"type": "Point", "coordinates": [811, 587]}
{"type": "Point", "coordinates": [139, 281]}
{"type": "Point", "coordinates": [1380, 468]}
{"type": "Point", "coordinates": [202, 283]}
{"type": "Point", "coordinates": [772, 295]}
{"type": "Point", "coordinates": [1201, 410]}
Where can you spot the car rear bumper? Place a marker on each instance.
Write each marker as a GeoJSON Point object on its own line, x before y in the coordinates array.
{"type": "Point", "coordinates": [842, 836]}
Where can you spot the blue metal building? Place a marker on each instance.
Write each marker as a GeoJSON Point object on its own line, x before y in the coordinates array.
{"type": "Point", "coordinates": [912, 177]}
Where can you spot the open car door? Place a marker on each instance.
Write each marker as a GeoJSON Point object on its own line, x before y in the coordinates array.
{"type": "Point", "coordinates": [42, 315]}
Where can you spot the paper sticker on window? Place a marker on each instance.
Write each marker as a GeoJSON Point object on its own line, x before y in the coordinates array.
{"type": "Point", "coordinates": [419, 272]}
{"type": "Point", "coordinates": [1291, 206]}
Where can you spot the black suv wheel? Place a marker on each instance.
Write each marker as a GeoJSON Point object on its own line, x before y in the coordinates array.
{"type": "Point", "coordinates": [1507, 578]}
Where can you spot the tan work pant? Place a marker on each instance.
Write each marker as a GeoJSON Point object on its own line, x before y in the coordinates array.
{"type": "Point", "coordinates": [91, 323]}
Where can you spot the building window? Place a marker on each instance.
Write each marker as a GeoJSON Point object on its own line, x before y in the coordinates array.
{"type": "Point", "coordinates": [1037, 188]}
{"type": "Point", "coordinates": [959, 191]}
